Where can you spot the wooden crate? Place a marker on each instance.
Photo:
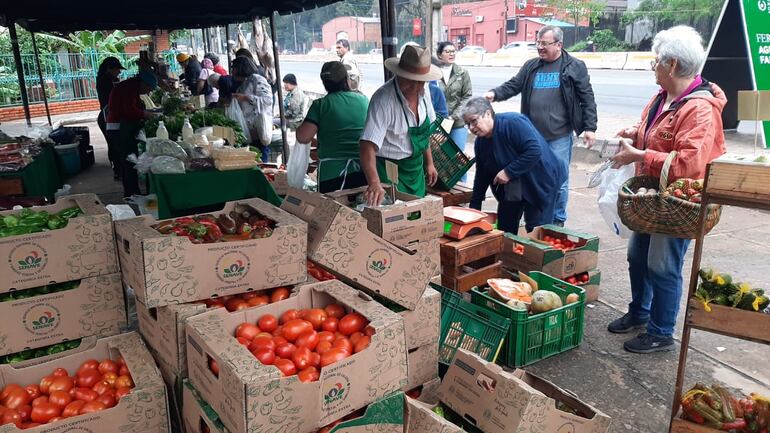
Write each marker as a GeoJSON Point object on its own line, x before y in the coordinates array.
{"type": "Point", "coordinates": [739, 180]}
{"type": "Point", "coordinates": [471, 261]}
{"type": "Point", "coordinates": [11, 186]}
{"type": "Point", "coordinates": [472, 275]}
{"type": "Point", "coordinates": [458, 195]}
{"type": "Point", "coordinates": [730, 321]}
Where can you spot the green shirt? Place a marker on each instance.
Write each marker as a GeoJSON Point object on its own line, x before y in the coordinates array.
{"type": "Point", "coordinates": [340, 119]}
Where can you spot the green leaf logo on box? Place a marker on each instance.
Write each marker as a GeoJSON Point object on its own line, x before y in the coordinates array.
{"type": "Point", "coordinates": [41, 319]}
{"type": "Point", "coordinates": [232, 266]}
{"type": "Point", "coordinates": [337, 392]}
{"type": "Point", "coordinates": [28, 259]}
{"type": "Point", "coordinates": [379, 262]}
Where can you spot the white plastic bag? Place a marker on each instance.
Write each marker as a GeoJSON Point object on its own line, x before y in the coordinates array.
{"type": "Point", "coordinates": [146, 204]}
{"type": "Point", "coordinates": [166, 165]}
{"type": "Point", "coordinates": [120, 211]}
{"type": "Point", "coordinates": [612, 180]}
{"type": "Point", "coordinates": [296, 168]}
{"type": "Point", "coordinates": [234, 112]}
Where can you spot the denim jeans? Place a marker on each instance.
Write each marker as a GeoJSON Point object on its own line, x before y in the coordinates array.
{"type": "Point", "coordinates": [655, 269]}
{"type": "Point", "coordinates": [460, 137]}
{"type": "Point", "coordinates": [562, 148]}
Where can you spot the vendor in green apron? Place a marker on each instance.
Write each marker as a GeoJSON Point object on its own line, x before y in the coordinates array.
{"type": "Point", "coordinates": [125, 114]}
{"type": "Point", "coordinates": [399, 123]}
{"type": "Point", "coordinates": [336, 120]}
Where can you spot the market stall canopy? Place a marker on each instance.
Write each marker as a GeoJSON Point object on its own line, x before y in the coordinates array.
{"type": "Point", "coordinates": [50, 15]}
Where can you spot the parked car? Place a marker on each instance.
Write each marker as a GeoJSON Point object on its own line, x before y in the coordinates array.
{"type": "Point", "coordinates": [518, 47]}
{"type": "Point", "coordinates": [318, 52]}
{"type": "Point", "coordinates": [475, 49]}
{"type": "Point", "coordinates": [288, 52]}
{"type": "Point", "coordinates": [375, 51]}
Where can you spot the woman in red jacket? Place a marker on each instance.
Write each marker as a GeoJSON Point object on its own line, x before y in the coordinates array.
{"type": "Point", "coordinates": [685, 116]}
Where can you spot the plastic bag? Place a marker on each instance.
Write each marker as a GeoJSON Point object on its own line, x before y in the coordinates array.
{"type": "Point", "coordinates": [296, 167]}
{"type": "Point", "coordinates": [164, 147]}
{"type": "Point", "coordinates": [120, 211]}
{"type": "Point", "coordinates": [146, 204]}
{"type": "Point", "coordinates": [234, 112]}
{"type": "Point", "coordinates": [142, 163]}
{"type": "Point", "coordinates": [167, 165]}
{"type": "Point", "coordinates": [612, 180]}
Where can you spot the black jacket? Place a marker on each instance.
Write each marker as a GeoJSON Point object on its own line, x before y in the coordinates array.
{"type": "Point", "coordinates": [575, 87]}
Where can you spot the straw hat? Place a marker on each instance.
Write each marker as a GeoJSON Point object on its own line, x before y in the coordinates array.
{"type": "Point", "coordinates": [414, 64]}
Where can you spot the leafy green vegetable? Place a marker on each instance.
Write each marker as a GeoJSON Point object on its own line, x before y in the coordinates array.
{"type": "Point", "coordinates": [28, 354]}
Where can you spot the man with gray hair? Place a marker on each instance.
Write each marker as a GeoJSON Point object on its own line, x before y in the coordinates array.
{"type": "Point", "coordinates": [347, 59]}
{"type": "Point", "coordinates": [557, 97]}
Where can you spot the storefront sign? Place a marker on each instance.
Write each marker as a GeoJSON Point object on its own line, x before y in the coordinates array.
{"type": "Point", "coordinates": [756, 21]}
{"type": "Point", "coordinates": [457, 12]}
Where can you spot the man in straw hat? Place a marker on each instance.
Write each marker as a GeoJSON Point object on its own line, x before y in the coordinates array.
{"type": "Point", "coordinates": [398, 126]}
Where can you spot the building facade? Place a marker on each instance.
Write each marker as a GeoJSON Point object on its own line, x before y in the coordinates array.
{"type": "Point", "coordinates": [360, 31]}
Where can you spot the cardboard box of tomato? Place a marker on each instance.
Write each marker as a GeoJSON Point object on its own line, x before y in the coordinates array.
{"type": "Point", "coordinates": [51, 314]}
{"type": "Point", "coordinates": [143, 408]}
{"type": "Point", "coordinates": [248, 394]}
{"type": "Point", "coordinates": [405, 224]}
{"type": "Point", "coordinates": [339, 240]}
{"type": "Point", "coordinates": [539, 250]}
{"type": "Point", "coordinates": [589, 281]}
{"type": "Point", "coordinates": [168, 269]}
{"type": "Point", "coordinates": [84, 248]}
{"type": "Point", "coordinates": [499, 401]}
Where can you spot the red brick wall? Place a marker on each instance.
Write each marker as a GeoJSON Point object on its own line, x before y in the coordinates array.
{"type": "Point", "coordinates": [161, 39]}
{"type": "Point", "coordinates": [38, 110]}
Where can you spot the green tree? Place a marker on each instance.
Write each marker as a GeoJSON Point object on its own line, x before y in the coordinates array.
{"type": "Point", "coordinates": [666, 13]}
{"type": "Point", "coordinates": [577, 11]}
{"type": "Point", "coordinates": [84, 41]}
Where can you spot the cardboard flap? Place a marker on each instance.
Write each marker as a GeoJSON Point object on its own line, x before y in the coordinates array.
{"type": "Point", "coordinates": [89, 204]}
{"type": "Point", "coordinates": [138, 359]}
{"type": "Point", "coordinates": [556, 394]}
{"type": "Point", "coordinates": [270, 211]}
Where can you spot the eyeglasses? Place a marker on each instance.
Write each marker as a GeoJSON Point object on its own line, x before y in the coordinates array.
{"type": "Point", "coordinates": [654, 63]}
{"type": "Point", "coordinates": [545, 44]}
{"type": "Point", "coordinates": [448, 52]}
{"type": "Point", "coordinates": [474, 122]}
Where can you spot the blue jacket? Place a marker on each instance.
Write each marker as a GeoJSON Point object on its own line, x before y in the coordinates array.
{"type": "Point", "coordinates": [438, 99]}
{"type": "Point", "coordinates": [517, 147]}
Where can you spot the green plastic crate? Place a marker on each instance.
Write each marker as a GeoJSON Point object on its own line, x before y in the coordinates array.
{"type": "Point", "coordinates": [538, 336]}
{"type": "Point", "coordinates": [450, 161]}
{"type": "Point", "coordinates": [468, 326]}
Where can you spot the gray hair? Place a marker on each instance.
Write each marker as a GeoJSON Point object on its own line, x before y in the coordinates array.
{"type": "Point", "coordinates": [683, 44]}
{"type": "Point", "coordinates": [558, 34]}
{"type": "Point", "coordinates": [477, 106]}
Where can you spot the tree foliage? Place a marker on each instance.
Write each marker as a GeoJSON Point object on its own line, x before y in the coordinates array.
{"type": "Point", "coordinates": [670, 12]}
{"type": "Point", "coordinates": [577, 11]}
{"type": "Point", "coordinates": [84, 41]}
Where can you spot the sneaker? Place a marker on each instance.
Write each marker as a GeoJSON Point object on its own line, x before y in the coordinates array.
{"type": "Point", "coordinates": [625, 324]}
{"type": "Point", "coordinates": [648, 343]}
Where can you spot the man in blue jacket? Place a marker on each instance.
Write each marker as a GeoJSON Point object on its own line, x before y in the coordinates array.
{"type": "Point", "coordinates": [516, 161]}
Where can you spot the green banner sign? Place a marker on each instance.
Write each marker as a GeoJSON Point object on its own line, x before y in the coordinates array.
{"type": "Point", "coordinates": [756, 17]}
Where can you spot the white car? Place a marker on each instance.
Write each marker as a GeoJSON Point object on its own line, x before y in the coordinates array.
{"type": "Point", "coordinates": [318, 52]}
{"type": "Point", "coordinates": [518, 47]}
{"type": "Point", "coordinates": [375, 51]}
{"type": "Point", "coordinates": [475, 49]}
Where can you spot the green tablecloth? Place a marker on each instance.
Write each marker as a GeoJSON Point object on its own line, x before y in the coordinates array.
{"type": "Point", "coordinates": [183, 194]}
{"type": "Point", "coordinates": [41, 178]}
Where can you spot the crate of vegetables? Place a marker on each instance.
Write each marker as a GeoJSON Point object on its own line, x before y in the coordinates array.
{"type": "Point", "coordinates": [163, 328]}
{"type": "Point", "coordinates": [546, 315]}
{"type": "Point", "coordinates": [60, 312]}
{"type": "Point", "coordinates": [111, 387]}
{"type": "Point", "coordinates": [66, 241]}
{"type": "Point", "coordinates": [249, 245]}
{"type": "Point", "coordinates": [556, 251]}
{"type": "Point", "coordinates": [299, 364]}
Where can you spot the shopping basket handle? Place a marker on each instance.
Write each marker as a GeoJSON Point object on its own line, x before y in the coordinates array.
{"type": "Point", "coordinates": [664, 171]}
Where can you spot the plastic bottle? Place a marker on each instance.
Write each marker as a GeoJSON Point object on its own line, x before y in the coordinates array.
{"type": "Point", "coordinates": [161, 132]}
{"type": "Point", "coordinates": [187, 131]}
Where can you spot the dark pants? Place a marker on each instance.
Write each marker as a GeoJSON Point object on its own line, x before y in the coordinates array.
{"type": "Point", "coordinates": [126, 136]}
{"type": "Point", "coordinates": [113, 147]}
{"type": "Point", "coordinates": [509, 213]}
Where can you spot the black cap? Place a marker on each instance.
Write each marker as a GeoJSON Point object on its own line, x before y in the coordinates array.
{"type": "Point", "coordinates": [290, 78]}
{"type": "Point", "coordinates": [112, 63]}
{"type": "Point", "coordinates": [334, 72]}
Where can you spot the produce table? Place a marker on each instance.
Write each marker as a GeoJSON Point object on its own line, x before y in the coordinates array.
{"type": "Point", "coordinates": [182, 194]}
{"type": "Point", "coordinates": [41, 178]}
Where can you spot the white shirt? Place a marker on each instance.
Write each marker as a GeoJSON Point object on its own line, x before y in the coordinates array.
{"type": "Point", "coordinates": [447, 71]}
{"type": "Point", "coordinates": [386, 125]}
{"type": "Point", "coordinates": [214, 95]}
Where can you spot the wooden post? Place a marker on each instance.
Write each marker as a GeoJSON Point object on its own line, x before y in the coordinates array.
{"type": "Point", "coordinates": [227, 48]}
{"type": "Point", "coordinates": [19, 69]}
{"type": "Point", "coordinates": [280, 90]}
{"type": "Point", "coordinates": [42, 82]}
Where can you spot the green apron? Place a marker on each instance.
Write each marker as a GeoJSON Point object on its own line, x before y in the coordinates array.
{"type": "Point", "coordinates": [411, 171]}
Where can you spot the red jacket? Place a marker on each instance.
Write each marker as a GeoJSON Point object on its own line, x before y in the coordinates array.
{"type": "Point", "coordinates": [124, 105]}
{"type": "Point", "coordinates": [219, 69]}
{"type": "Point", "coordinates": [691, 126]}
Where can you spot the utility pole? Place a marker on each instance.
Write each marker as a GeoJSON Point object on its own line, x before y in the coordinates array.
{"type": "Point", "coordinates": [294, 23]}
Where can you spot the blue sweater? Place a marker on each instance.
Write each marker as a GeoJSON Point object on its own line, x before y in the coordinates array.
{"type": "Point", "coordinates": [439, 100]}
{"type": "Point", "coordinates": [517, 147]}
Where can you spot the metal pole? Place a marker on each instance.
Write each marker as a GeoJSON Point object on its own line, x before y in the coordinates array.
{"type": "Point", "coordinates": [388, 40]}
{"type": "Point", "coordinates": [42, 82]}
{"type": "Point", "coordinates": [280, 90]}
{"type": "Point", "coordinates": [19, 69]}
{"type": "Point", "coordinates": [294, 21]}
{"type": "Point", "coordinates": [227, 48]}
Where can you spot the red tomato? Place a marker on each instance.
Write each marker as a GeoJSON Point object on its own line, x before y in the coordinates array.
{"type": "Point", "coordinates": [7, 391]}
{"type": "Point", "coordinates": [40, 400]}
{"type": "Point", "coordinates": [60, 372]}
{"type": "Point", "coordinates": [262, 342]}
{"type": "Point", "coordinates": [285, 350]}
{"type": "Point", "coordinates": [101, 387]}
{"type": "Point", "coordinates": [213, 366]}
{"type": "Point", "coordinates": [123, 370]}
{"type": "Point", "coordinates": [333, 355]}
{"type": "Point", "coordinates": [243, 341]}
{"type": "Point", "coordinates": [278, 331]}
{"type": "Point", "coordinates": [293, 328]}
{"type": "Point", "coordinates": [369, 330]}
{"type": "Point", "coordinates": [265, 356]}
{"type": "Point", "coordinates": [216, 304]}
{"type": "Point", "coordinates": [279, 294]}
{"type": "Point", "coordinates": [25, 412]}
{"type": "Point", "coordinates": [60, 398]}
{"type": "Point", "coordinates": [108, 366]}
{"type": "Point", "coordinates": [362, 343]}
{"type": "Point", "coordinates": [16, 398]}
{"type": "Point", "coordinates": [343, 344]}
{"type": "Point", "coordinates": [248, 295]}
{"type": "Point", "coordinates": [62, 383]}
{"type": "Point", "coordinates": [108, 398]}
{"type": "Point", "coordinates": [301, 358]}
{"type": "Point", "coordinates": [92, 406]}
{"type": "Point", "coordinates": [286, 366]}
{"type": "Point", "coordinates": [268, 323]}
{"type": "Point", "coordinates": [73, 409]}
{"type": "Point", "coordinates": [307, 339]}
{"type": "Point", "coordinates": [330, 324]}
{"type": "Point", "coordinates": [584, 278]}
{"type": "Point", "coordinates": [91, 364]}
{"type": "Point", "coordinates": [316, 273]}
{"type": "Point", "coordinates": [279, 341]}
{"type": "Point", "coordinates": [110, 378]}
{"type": "Point", "coordinates": [85, 394]}
{"type": "Point", "coordinates": [88, 379]}
{"type": "Point", "coordinates": [33, 391]}
{"type": "Point", "coordinates": [124, 381]}
{"type": "Point", "coordinates": [11, 416]}
{"type": "Point", "coordinates": [335, 310]}
{"type": "Point", "coordinates": [236, 304]}
{"type": "Point", "coordinates": [316, 317]}
{"type": "Point", "coordinates": [355, 336]}
{"type": "Point", "coordinates": [43, 412]}
{"type": "Point", "coordinates": [352, 322]}
{"type": "Point", "coordinates": [310, 374]}
{"type": "Point", "coordinates": [288, 315]}
{"type": "Point", "coordinates": [45, 384]}
{"type": "Point", "coordinates": [121, 392]}
{"type": "Point", "coordinates": [258, 300]}
{"type": "Point", "coordinates": [247, 330]}
{"type": "Point", "coordinates": [323, 347]}
{"type": "Point", "coordinates": [326, 336]}
{"type": "Point", "coordinates": [315, 359]}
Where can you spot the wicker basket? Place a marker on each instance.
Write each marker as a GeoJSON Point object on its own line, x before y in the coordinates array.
{"type": "Point", "coordinates": [662, 214]}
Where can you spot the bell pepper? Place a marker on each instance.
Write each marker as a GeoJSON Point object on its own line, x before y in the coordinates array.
{"type": "Point", "coordinates": [197, 229]}
{"type": "Point", "coordinates": [184, 221]}
{"type": "Point", "coordinates": [10, 220]}
{"type": "Point", "coordinates": [227, 223]}
{"type": "Point", "coordinates": [213, 232]}
{"type": "Point", "coordinates": [19, 230]}
{"type": "Point", "coordinates": [68, 213]}
{"type": "Point", "coordinates": [181, 231]}
{"type": "Point", "coordinates": [34, 220]}
{"type": "Point", "coordinates": [164, 227]}
{"type": "Point", "coordinates": [56, 222]}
